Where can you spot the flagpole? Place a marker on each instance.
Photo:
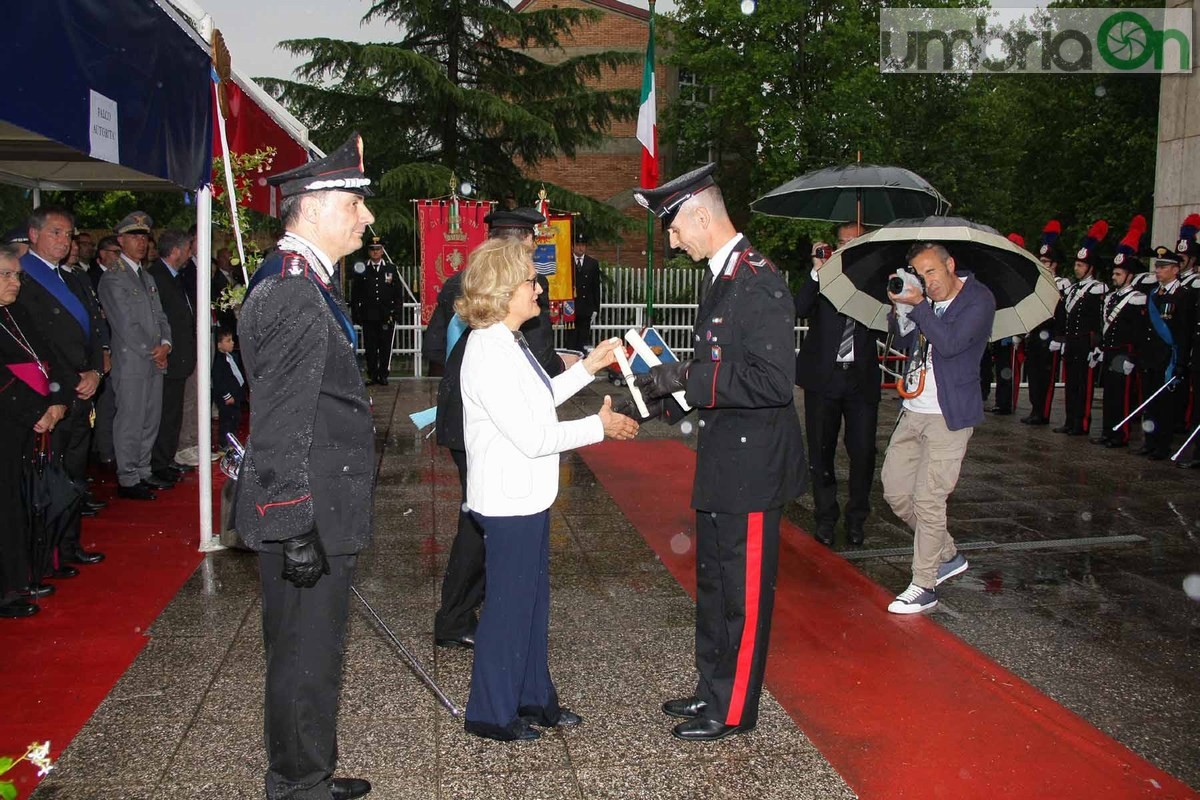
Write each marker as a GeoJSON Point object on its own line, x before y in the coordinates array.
{"type": "Point", "coordinates": [649, 69]}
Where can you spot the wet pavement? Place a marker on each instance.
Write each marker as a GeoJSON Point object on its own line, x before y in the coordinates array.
{"type": "Point", "coordinates": [1078, 560]}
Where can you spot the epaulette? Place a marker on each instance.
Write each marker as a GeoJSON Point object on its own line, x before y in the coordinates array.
{"type": "Point", "coordinates": [1138, 299]}
{"type": "Point", "coordinates": [1192, 281]}
{"type": "Point", "coordinates": [753, 260]}
{"type": "Point", "coordinates": [1098, 288]}
{"type": "Point", "coordinates": [293, 265]}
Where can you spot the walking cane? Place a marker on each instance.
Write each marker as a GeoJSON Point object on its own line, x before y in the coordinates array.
{"type": "Point", "coordinates": [1185, 444]}
{"type": "Point", "coordinates": [413, 663]}
{"type": "Point", "coordinates": [1147, 402]}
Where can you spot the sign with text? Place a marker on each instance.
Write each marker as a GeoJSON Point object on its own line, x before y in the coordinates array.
{"type": "Point", "coordinates": [105, 137]}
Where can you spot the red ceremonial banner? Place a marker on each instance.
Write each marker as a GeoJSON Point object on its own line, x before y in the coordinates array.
{"type": "Point", "coordinates": [449, 230]}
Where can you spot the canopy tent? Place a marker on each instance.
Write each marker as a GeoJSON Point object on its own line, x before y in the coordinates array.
{"type": "Point", "coordinates": [100, 115]}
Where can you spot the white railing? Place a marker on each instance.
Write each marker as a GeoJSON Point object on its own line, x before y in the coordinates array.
{"type": "Point", "coordinates": [623, 307]}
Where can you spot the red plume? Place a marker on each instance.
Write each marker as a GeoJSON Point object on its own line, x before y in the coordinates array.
{"type": "Point", "coordinates": [1133, 239]}
{"type": "Point", "coordinates": [1098, 230]}
{"type": "Point", "coordinates": [1053, 226]}
{"type": "Point", "coordinates": [1193, 220]}
{"type": "Point", "coordinates": [1016, 239]}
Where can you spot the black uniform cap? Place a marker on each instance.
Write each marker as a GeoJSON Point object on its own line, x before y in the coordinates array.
{"type": "Point", "coordinates": [375, 242]}
{"type": "Point", "coordinates": [1165, 254]}
{"type": "Point", "coordinates": [664, 201]}
{"type": "Point", "coordinates": [341, 170]}
{"type": "Point", "coordinates": [522, 218]}
{"type": "Point", "coordinates": [18, 235]}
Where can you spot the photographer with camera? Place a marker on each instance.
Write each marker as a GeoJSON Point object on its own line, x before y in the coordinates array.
{"type": "Point", "coordinates": [838, 368]}
{"type": "Point", "coordinates": [943, 320]}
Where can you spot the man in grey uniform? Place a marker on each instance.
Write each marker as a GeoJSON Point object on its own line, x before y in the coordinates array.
{"type": "Point", "coordinates": [141, 341]}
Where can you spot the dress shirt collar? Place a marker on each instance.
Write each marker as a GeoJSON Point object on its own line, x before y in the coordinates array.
{"type": "Point", "coordinates": [133, 265]}
{"type": "Point", "coordinates": [716, 264]}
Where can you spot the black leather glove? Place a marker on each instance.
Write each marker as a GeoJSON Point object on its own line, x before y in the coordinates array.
{"type": "Point", "coordinates": [629, 408]}
{"type": "Point", "coordinates": [304, 560]}
{"type": "Point", "coordinates": [664, 379]}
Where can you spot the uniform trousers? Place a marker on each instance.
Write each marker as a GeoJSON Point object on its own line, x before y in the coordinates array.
{"type": "Point", "coordinates": [919, 472]}
{"type": "Point", "coordinates": [229, 419]}
{"type": "Point", "coordinates": [737, 557]}
{"type": "Point", "coordinates": [304, 633]}
{"type": "Point", "coordinates": [166, 443]}
{"type": "Point", "coordinates": [511, 674]}
{"type": "Point", "coordinates": [463, 584]}
{"type": "Point", "coordinates": [1040, 366]}
{"type": "Point", "coordinates": [377, 344]}
{"type": "Point", "coordinates": [106, 411]}
{"type": "Point", "coordinates": [138, 392]}
{"type": "Point", "coordinates": [1164, 416]}
{"type": "Point", "coordinates": [1007, 378]}
{"type": "Point", "coordinates": [841, 399]}
{"type": "Point", "coordinates": [1080, 388]}
{"type": "Point", "coordinates": [1119, 398]}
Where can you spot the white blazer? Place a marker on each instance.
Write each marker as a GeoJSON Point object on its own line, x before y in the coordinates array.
{"type": "Point", "coordinates": [513, 435]}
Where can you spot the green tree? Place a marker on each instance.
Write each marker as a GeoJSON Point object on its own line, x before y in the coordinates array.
{"type": "Point", "coordinates": [458, 93]}
{"type": "Point", "coordinates": [796, 86]}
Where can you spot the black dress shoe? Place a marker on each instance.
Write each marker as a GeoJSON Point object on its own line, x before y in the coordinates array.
{"type": "Point", "coordinates": [91, 502]}
{"type": "Point", "coordinates": [855, 537]}
{"type": "Point", "coordinates": [348, 788]}
{"type": "Point", "coordinates": [62, 572]}
{"type": "Point", "coordinates": [139, 492]}
{"type": "Point", "coordinates": [466, 641]}
{"type": "Point", "coordinates": [1038, 421]}
{"type": "Point", "coordinates": [184, 468]}
{"type": "Point", "coordinates": [1077, 432]}
{"type": "Point", "coordinates": [1111, 443]}
{"type": "Point", "coordinates": [684, 707]}
{"type": "Point", "coordinates": [81, 556]}
{"type": "Point", "coordinates": [566, 718]}
{"type": "Point", "coordinates": [36, 590]}
{"type": "Point", "coordinates": [157, 481]}
{"type": "Point", "coordinates": [1193, 464]}
{"type": "Point", "coordinates": [702, 729]}
{"type": "Point", "coordinates": [1143, 451]}
{"type": "Point", "coordinates": [16, 609]}
{"type": "Point", "coordinates": [1000, 411]}
{"type": "Point", "coordinates": [1063, 429]}
{"type": "Point", "coordinates": [1158, 456]}
{"type": "Point", "coordinates": [824, 535]}
{"type": "Point", "coordinates": [518, 731]}
{"type": "Point", "coordinates": [88, 511]}
{"type": "Point", "coordinates": [1100, 440]}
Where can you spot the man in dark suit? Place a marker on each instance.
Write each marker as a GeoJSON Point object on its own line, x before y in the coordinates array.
{"type": "Point", "coordinates": [943, 326]}
{"type": "Point", "coordinates": [376, 300]}
{"type": "Point", "coordinates": [55, 300]}
{"type": "Point", "coordinates": [1164, 353]}
{"type": "Point", "coordinates": [174, 248]}
{"type": "Point", "coordinates": [750, 455]}
{"type": "Point", "coordinates": [838, 368]}
{"type": "Point", "coordinates": [587, 292]}
{"type": "Point", "coordinates": [305, 487]}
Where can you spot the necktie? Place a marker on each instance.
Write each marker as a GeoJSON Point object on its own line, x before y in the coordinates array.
{"type": "Point", "coordinates": [939, 310]}
{"type": "Point", "coordinates": [237, 373]}
{"type": "Point", "coordinates": [846, 348]}
{"type": "Point", "coordinates": [541, 373]}
{"type": "Point", "coordinates": [58, 273]}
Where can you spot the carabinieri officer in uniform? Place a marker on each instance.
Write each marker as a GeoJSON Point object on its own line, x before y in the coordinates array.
{"type": "Point", "coordinates": [304, 490]}
{"type": "Point", "coordinates": [750, 455]}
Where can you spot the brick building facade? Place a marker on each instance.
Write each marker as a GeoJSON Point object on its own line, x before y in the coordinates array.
{"type": "Point", "coordinates": [610, 171]}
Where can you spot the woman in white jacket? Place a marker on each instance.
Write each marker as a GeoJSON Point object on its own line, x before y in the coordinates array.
{"type": "Point", "coordinates": [513, 438]}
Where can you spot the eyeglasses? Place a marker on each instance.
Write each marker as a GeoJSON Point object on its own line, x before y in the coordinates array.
{"type": "Point", "coordinates": [531, 281]}
{"type": "Point", "coordinates": [11, 275]}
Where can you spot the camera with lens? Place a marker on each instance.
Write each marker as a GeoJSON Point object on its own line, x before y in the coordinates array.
{"type": "Point", "coordinates": [897, 284]}
{"type": "Point", "coordinates": [823, 252]}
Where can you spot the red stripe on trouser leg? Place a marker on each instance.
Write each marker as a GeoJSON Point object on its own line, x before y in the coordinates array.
{"type": "Point", "coordinates": [745, 660]}
{"type": "Point", "coordinates": [1090, 393]}
{"type": "Point", "coordinates": [1050, 387]}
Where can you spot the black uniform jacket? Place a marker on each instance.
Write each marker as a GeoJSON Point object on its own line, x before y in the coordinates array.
{"type": "Point", "coordinates": [20, 406]}
{"type": "Point", "coordinates": [1125, 321]}
{"type": "Point", "coordinates": [311, 449]}
{"type": "Point", "coordinates": [1178, 310]}
{"type": "Point", "coordinates": [818, 353]}
{"type": "Point", "coordinates": [750, 454]}
{"type": "Point", "coordinates": [376, 295]}
{"type": "Point", "coordinates": [182, 360]}
{"type": "Point", "coordinates": [587, 286]}
{"type": "Point", "coordinates": [1082, 318]}
{"type": "Point", "coordinates": [224, 385]}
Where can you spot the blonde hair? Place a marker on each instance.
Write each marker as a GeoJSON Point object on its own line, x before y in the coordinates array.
{"type": "Point", "coordinates": [494, 271]}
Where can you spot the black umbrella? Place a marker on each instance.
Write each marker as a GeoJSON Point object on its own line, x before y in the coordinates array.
{"type": "Point", "coordinates": [855, 278]}
{"type": "Point", "coordinates": [871, 194]}
{"type": "Point", "coordinates": [52, 501]}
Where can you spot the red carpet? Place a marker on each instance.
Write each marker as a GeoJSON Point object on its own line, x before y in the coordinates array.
{"type": "Point", "coordinates": [900, 707]}
{"type": "Point", "coordinates": [59, 665]}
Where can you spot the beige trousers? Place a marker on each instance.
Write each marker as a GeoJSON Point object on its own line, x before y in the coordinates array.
{"type": "Point", "coordinates": [920, 471]}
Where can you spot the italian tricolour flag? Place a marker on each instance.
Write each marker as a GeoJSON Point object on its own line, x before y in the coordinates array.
{"type": "Point", "coordinates": [647, 124]}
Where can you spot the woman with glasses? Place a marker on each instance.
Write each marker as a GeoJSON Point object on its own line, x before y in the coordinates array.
{"type": "Point", "coordinates": [513, 438]}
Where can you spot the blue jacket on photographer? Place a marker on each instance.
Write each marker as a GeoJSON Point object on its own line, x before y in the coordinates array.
{"type": "Point", "coordinates": [957, 330]}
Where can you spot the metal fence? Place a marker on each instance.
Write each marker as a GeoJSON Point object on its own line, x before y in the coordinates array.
{"type": "Point", "coordinates": [623, 306]}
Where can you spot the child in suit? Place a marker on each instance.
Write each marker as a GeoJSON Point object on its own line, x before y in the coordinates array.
{"type": "Point", "coordinates": [228, 388]}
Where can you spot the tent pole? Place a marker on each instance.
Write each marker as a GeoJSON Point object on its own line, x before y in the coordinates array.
{"type": "Point", "coordinates": [204, 365]}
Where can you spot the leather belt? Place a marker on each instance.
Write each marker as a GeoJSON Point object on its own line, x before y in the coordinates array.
{"type": "Point", "coordinates": [843, 365]}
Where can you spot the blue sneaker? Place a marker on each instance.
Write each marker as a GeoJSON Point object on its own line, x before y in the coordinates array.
{"type": "Point", "coordinates": [948, 569]}
{"type": "Point", "coordinates": [913, 600]}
